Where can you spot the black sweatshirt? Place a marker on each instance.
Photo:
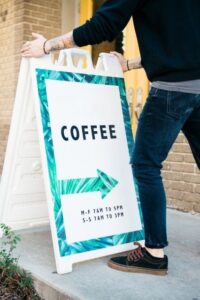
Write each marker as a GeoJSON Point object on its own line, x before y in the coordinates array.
{"type": "Point", "coordinates": [168, 33]}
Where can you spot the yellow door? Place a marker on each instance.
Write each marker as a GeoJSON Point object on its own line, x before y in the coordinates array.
{"type": "Point", "coordinates": [137, 84]}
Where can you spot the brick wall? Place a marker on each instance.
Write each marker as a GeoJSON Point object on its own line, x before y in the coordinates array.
{"type": "Point", "coordinates": [8, 61]}
{"type": "Point", "coordinates": [42, 17]}
{"type": "Point", "coordinates": [182, 178]}
{"type": "Point", "coordinates": [18, 18]}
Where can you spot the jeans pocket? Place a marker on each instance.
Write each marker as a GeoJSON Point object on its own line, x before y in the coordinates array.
{"type": "Point", "coordinates": [153, 92]}
{"type": "Point", "coordinates": [178, 104]}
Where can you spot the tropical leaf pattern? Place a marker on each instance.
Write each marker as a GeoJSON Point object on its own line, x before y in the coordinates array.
{"type": "Point", "coordinates": [57, 186]}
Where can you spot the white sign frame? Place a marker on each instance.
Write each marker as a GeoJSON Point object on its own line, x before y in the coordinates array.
{"type": "Point", "coordinates": [108, 72]}
{"type": "Point", "coordinates": [65, 259]}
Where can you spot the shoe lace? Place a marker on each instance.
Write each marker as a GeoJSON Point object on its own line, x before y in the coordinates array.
{"type": "Point", "coordinates": [136, 253]}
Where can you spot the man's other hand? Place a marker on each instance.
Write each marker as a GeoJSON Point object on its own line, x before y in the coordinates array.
{"type": "Point", "coordinates": [34, 48]}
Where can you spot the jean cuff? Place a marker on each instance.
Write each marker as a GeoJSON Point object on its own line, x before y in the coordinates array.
{"type": "Point", "coordinates": [156, 246]}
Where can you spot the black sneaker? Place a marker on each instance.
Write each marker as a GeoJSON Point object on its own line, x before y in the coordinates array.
{"type": "Point", "coordinates": [140, 260]}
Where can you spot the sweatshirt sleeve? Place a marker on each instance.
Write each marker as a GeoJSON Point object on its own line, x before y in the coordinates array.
{"type": "Point", "coordinates": [106, 24]}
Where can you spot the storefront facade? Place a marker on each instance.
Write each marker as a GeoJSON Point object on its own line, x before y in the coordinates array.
{"type": "Point", "coordinates": [18, 18]}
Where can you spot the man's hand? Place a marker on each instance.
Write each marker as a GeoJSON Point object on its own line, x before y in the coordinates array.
{"type": "Point", "coordinates": [121, 59]}
{"type": "Point", "coordinates": [128, 65]}
{"type": "Point", "coordinates": [35, 47]}
{"type": "Point", "coordinates": [41, 46]}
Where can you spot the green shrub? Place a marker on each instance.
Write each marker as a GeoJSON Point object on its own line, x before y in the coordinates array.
{"type": "Point", "coordinates": [13, 279]}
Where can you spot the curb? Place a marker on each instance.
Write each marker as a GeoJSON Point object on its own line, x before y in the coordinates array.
{"type": "Point", "coordinates": [47, 292]}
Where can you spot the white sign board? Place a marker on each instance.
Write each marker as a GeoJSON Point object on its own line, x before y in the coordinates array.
{"type": "Point", "coordinates": [86, 143]}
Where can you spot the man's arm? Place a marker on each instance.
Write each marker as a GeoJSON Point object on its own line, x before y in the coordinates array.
{"type": "Point", "coordinates": [134, 63]}
{"type": "Point", "coordinates": [41, 46]}
{"type": "Point", "coordinates": [106, 24]}
{"type": "Point", "coordinates": [61, 42]}
{"type": "Point", "coordinates": [130, 64]}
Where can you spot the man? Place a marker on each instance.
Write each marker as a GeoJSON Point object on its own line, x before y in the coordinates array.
{"type": "Point", "coordinates": [168, 33]}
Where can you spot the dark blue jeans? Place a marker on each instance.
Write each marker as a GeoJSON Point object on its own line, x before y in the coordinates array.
{"type": "Point", "coordinates": [165, 114]}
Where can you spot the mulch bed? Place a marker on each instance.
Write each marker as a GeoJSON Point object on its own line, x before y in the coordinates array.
{"type": "Point", "coordinates": [7, 293]}
{"type": "Point", "coordinates": [12, 289]}
{"type": "Point", "coordinates": [11, 294]}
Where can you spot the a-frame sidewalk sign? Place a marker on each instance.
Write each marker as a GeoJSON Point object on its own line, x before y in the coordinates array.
{"type": "Point", "coordinates": [69, 149]}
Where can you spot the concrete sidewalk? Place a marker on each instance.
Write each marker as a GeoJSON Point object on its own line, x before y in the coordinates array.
{"type": "Point", "coordinates": [93, 280]}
